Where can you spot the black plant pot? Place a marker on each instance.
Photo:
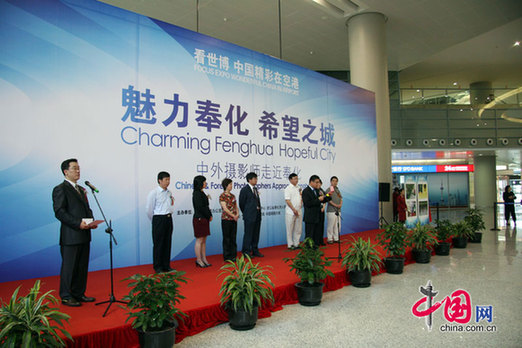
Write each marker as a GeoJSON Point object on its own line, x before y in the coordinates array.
{"type": "Point", "coordinates": [477, 238]}
{"type": "Point", "coordinates": [158, 339]}
{"type": "Point", "coordinates": [394, 265]}
{"type": "Point", "coordinates": [242, 320]}
{"type": "Point", "coordinates": [360, 279]}
{"type": "Point", "coordinates": [443, 248]}
{"type": "Point", "coordinates": [309, 295]}
{"type": "Point", "coordinates": [421, 256]}
{"type": "Point", "coordinates": [460, 242]}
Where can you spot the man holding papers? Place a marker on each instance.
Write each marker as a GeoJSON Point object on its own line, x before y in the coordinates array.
{"type": "Point", "coordinates": [72, 209]}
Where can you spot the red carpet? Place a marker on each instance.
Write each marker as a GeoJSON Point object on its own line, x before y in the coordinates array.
{"type": "Point", "coordinates": [89, 329]}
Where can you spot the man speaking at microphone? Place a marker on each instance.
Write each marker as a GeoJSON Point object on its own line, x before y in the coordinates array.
{"type": "Point", "coordinates": [72, 209]}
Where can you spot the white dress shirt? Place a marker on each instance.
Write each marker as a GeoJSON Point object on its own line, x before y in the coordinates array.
{"type": "Point", "coordinates": [159, 202]}
{"type": "Point", "coordinates": [293, 194]}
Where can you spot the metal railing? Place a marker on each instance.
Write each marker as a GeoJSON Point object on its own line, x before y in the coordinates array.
{"type": "Point", "coordinates": [453, 96]}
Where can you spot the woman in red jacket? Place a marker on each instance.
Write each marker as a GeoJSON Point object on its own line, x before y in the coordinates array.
{"type": "Point", "coordinates": [401, 206]}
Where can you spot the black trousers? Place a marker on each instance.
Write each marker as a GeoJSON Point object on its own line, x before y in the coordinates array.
{"type": "Point", "coordinates": [251, 237]}
{"type": "Point", "coordinates": [229, 228]}
{"type": "Point", "coordinates": [320, 237]}
{"type": "Point", "coordinates": [162, 241]}
{"type": "Point", "coordinates": [509, 209]}
{"type": "Point", "coordinates": [74, 270]}
{"type": "Point", "coordinates": [314, 231]}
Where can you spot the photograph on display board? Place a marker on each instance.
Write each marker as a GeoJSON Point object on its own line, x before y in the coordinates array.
{"type": "Point", "coordinates": [423, 191]}
{"type": "Point", "coordinates": [410, 191]}
{"type": "Point", "coordinates": [423, 208]}
{"type": "Point", "coordinates": [412, 208]}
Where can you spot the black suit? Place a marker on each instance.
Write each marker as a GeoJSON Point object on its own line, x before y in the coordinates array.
{"type": "Point", "coordinates": [312, 215]}
{"type": "Point", "coordinates": [70, 207]}
{"type": "Point", "coordinates": [250, 206]}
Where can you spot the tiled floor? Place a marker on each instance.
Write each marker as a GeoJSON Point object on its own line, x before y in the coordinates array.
{"type": "Point", "coordinates": [381, 316]}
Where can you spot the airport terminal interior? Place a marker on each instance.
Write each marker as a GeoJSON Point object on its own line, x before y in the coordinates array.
{"type": "Point", "coordinates": [447, 77]}
{"type": "Point", "coordinates": [453, 90]}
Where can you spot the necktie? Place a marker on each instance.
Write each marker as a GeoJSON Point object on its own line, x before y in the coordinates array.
{"type": "Point", "coordinates": [257, 197]}
{"type": "Point", "coordinates": [79, 190]}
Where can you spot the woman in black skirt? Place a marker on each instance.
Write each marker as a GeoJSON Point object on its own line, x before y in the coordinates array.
{"type": "Point", "coordinates": [201, 220]}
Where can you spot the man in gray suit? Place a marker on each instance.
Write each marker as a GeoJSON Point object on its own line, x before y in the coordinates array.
{"type": "Point", "coordinates": [71, 207]}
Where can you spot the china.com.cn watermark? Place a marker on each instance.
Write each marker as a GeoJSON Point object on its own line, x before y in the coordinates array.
{"type": "Point", "coordinates": [458, 311]}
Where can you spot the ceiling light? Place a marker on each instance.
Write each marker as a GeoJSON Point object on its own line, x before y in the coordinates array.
{"type": "Point", "coordinates": [517, 43]}
{"type": "Point", "coordinates": [454, 83]}
{"type": "Point", "coordinates": [418, 90]}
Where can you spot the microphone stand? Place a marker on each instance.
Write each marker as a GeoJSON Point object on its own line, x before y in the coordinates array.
{"type": "Point", "coordinates": [340, 256]}
{"type": "Point", "coordinates": [112, 299]}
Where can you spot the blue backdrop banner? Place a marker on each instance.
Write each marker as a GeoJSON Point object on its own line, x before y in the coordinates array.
{"type": "Point", "coordinates": [130, 96]}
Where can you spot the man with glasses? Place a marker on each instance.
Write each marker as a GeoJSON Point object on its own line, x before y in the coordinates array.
{"type": "Point", "coordinates": [72, 209]}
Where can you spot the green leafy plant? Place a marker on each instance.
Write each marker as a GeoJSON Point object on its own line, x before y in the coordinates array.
{"type": "Point", "coordinates": [445, 230]}
{"type": "Point", "coordinates": [32, 321]}
{"type": "Point", "coordinates": [153, 298]}
{"type": "Point", "coordinates": [309, 264]}
{"type": "Point", "coordinates": [475, 219]}
{"type": "Point", "coordinates": [245, 284]}
{"type": "Point", "coordinates": [361, 255]}
{"type": "Point", "coordinates": [463, 230]}
{"type": "Point", "coordinates": [394, 239]}
{"type": "Point", "coordinates": [422, 237]}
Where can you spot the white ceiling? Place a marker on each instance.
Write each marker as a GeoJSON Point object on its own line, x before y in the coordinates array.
{"type": "Point", "coordinates": [432, 42]}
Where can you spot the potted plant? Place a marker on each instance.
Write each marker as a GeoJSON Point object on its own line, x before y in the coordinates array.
{"type": "Point", "coordinates": [444, 232]}
{"type": "Point", "coordinates": [394, 239]}
{"type": "Point", "coordinates": [152, 302]}
{"type": "Point", "coordinates": [475, 219]}
{"type": "Point", "coordinates": [462, 232]}
{"type": "Point", "coordinates": [310, 266]}
{"type": "Point", "coordinates": [245, 287]}
{"type": "Point", "coordinates": [360, 259]}
{"type": "Point", "coordinates": [32, 320]}
{"type": "Point", "coordinates": [422, 240]}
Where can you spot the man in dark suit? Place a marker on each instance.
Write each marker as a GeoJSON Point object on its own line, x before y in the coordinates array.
{"type": "Point", "coordinates": [250, 206]}
{"type": "Point", "coordinates": [71, 207]}
{"type": "Point", "coordinates": [312, 200]}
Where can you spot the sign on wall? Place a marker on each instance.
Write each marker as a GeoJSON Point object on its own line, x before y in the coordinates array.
{"type": "Point", "coordinates": [129, 96]}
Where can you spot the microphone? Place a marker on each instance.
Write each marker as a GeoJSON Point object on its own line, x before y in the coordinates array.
{"type": "Point", "coordinates": [92, 187]}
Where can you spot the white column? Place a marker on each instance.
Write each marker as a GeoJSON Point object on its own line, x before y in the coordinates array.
{"type": "Point", "coordinates": [369, 70]}
{"type": "Point", "coordinates": [485, 182]}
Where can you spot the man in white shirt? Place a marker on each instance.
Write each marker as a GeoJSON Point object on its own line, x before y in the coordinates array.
{"type": "Point", "coordinates": [160, 205]}
{"type": "Point", "coordinates": [293, 214]}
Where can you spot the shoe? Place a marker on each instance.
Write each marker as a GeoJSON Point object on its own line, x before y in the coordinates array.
{"type": "Point", "coordinates": [291, 247]}
{"type": "Point", "coordinates": [258, 254]}
{"type": "Point", "coordinates": [169, 270]}
{"type": "Point", "coordinates": [71, 302]}
{"type": "Point", "coordinates": [200, 265]}
{"type": "Point", "coordinates": [207, 264]}
{"type": "Point", "coordinates": [248, 254]}
{"type": "Point", "coordinates": [86, 299]}
{"type": "Point", "coordinates": [330, 242]}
